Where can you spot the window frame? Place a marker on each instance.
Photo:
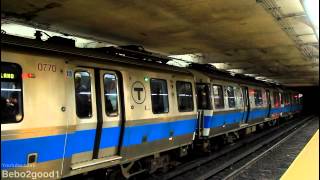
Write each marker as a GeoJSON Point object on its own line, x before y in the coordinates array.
{"type": "Point", "coordinates": [166, 83]}
{"type": "Point", "coordinates": [91, 92]}
{"type": "Point", "coordinates": [117, 88]}
{"type": "Point", "coordinates": [222, 97]}
{"type": "Point", "coordinates": [192, 108]}
{"type": "Point", "coordinates": [21, 84]}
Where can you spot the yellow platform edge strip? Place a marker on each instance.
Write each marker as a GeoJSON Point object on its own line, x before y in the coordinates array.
{"type": "Point", "coordinates": [306, 164]}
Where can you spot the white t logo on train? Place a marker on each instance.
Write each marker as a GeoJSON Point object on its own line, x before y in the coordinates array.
{"type": "Point", "coordinates": [138, 92]}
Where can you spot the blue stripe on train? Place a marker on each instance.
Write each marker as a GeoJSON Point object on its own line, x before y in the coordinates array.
{"type": "Point", "coordinates": [231, 118]}
{"type": "Point", "coordinates": [82, 141]}
{"type": "Point", "coordinates": [134, 134]}
{"type": "Point", "coordinates": [14, 152]}
{"type": "Point", "coordinates": [219, 120]}
{"type": "Point", "coordinates": [52, 147]}
{"type": "Point", "coordinates": [286, 109]}
{"type": "Point", "coordinates": [258, 113]}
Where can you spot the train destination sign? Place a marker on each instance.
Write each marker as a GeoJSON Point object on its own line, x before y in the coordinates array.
{"type": "Point", "coordinates": [7, 76]}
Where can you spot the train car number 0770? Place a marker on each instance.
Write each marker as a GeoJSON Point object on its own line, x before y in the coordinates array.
{"type": "Point", "coordinates": [47, 67]}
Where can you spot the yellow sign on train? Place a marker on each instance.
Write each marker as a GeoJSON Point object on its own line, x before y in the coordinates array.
{"type": "Point", "coordinates": [7, 76]}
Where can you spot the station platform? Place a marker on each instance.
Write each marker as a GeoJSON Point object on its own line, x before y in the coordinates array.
{"type": "Point", "coordinates": [295, 158]}
{"type": "Point", "coordinates": [306, 165]}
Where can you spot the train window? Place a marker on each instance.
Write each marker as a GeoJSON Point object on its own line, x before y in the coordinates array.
{"type": "Point", "coordinates": [231, 97]}
{"type": "Point", "coordinates": [159, 96]}
{"type": "Point", "coordinates": [288, 98]}
{"type": "Point", "coordinates": [82, 83]}
{"type": "Point", "coordinates": [218, 97]}
{"type": "Point", "coordinates": [276, 99]}
{"type": "Point", "coordinates": [282, 98]}
{"type": "Point", "coordinates": [184, 96]}
{"type": "Point", "coordinates": [11, 93]}
{"type": "Point", "coordinates": [295, 97]}
{"type": "Point", "coordinates": [203, 96]}
{"type": "Point", "coordinates": [300, 96]}
{"type": "Point", "coordinates": [111, 94]}
{"type": "Point", "coordinates": [258, 97]}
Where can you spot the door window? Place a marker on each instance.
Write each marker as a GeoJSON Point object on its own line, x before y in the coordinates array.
{"type": "Point", "coordinates": [203, 96]}
{"type": "Point", "coordinates": [110, 94]}
{"type": "Point", "coordinates": [82, 81]}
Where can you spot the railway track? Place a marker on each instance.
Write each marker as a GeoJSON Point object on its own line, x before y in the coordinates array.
{"type": "Point", "coordinates": [206, 167]}
{"type": "Point", "coordinates": [239, 170]}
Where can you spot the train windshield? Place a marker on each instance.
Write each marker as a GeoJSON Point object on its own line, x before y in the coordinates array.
{"type": "Point", "coordinates": [11, 93]}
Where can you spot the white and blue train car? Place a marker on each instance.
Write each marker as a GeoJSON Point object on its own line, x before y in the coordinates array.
{"type": "Point", "coordinates": [227, 104]}
{"type": "Point", "coordinates": [72, 110]}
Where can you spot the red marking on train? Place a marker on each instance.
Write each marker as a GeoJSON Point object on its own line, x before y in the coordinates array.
{"type": "Point", "coordinates": [27, 75]}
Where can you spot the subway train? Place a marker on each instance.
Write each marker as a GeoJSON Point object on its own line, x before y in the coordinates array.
{"type": "Point", "coordinates": [68, 111]}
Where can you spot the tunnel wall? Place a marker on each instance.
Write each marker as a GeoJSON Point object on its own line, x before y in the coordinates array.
{"type": "Point", "coordinates": [311, 99]}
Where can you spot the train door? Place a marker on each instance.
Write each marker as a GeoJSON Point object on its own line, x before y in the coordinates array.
{"type": "Point", "coordinates": [291, 102]}
{"type": "Point", "coordinates": [203, 104]}
{"type": "Point", "coordinates": [268, 102]}
{"type": "Point", "coordinates": [246, 103]}
{"type": "Point", "coordinates": [98, 116]}
{"type": "Point", "coordinates": [111, 114]}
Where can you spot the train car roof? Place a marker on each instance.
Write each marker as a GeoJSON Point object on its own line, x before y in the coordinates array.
{"type": "Point", "coordinates": [102, 54]}
{"type": "Point", "coordinates": [214, 73]}
{"type": "Point", "coordinates": [95, 53]}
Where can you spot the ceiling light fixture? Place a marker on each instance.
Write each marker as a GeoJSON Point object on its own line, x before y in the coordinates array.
{"type": "Point", "coordinates": [312, 10]}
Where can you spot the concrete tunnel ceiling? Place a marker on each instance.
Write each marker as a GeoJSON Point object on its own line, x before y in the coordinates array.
{"type": "Point", "coordinates": [270, 39]}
